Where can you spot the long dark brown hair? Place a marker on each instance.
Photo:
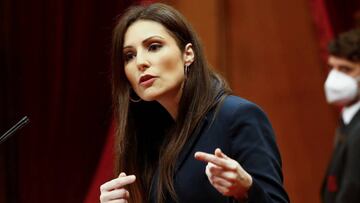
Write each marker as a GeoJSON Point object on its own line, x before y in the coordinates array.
{"type": "Point", "coordinates": [201, 91]}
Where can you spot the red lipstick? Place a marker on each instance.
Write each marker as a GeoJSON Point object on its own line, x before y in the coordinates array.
{"type": "Point", "coordinates": [146, 80]}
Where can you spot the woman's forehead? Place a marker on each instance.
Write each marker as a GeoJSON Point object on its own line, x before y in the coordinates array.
{"type": "Point", "coordinates": [144, 29]}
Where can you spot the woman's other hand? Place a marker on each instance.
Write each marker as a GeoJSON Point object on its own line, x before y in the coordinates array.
{"type": "Point", "coordinates": [226, 174]}
{"type": "Point", "coordinates": [114, 190]}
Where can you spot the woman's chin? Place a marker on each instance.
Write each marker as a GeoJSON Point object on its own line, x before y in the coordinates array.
{"type": "Point", "coordinates": [148, 97]}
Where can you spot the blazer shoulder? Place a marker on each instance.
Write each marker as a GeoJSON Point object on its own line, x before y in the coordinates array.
{"type": "Point", "coordinates": [233, 101]}
{"type": "Point", "coordinates": [237, 106]}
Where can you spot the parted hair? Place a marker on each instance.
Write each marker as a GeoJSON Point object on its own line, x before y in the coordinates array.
{"type": "Point", "coordinates": [201, 90]}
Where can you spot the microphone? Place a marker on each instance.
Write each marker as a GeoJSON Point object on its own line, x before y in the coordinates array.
{"type": "Point", "coordinates": [25, 120]}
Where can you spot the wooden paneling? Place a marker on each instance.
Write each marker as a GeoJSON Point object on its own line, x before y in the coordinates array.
{"type": "Point", "coordinates": [204, 17]}
{"type": "Point", "coordinates": [275, 62]}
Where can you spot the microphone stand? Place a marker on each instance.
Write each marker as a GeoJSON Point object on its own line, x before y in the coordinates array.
{"type": "Point", "coordinates": [25, 120]}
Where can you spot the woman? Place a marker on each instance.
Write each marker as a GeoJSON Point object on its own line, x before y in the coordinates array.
{"type": "Point", "coordinates": [169, 104]}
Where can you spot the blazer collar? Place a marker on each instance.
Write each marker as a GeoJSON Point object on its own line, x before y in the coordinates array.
{"type": "Point", "coordinates": [196, 134]}
{"type": "Point", "coordinates": [182, 156]}
{"type": "Point", "coordinates": [345, 129]}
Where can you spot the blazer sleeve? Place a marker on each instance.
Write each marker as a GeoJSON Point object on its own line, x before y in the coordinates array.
{"type": "Point", "coordinates": [253, 146]}
{"type": "Point", "coordinates": [349, 190]}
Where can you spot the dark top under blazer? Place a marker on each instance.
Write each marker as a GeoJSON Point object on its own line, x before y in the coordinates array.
{"type": "Point", "coordinates": [243, 132]}
{"type": "Point", "coordinates": [342, 180]}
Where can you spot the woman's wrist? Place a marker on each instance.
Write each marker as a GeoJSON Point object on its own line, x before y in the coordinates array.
{"type": "Point", "coordinates": [245, 183]}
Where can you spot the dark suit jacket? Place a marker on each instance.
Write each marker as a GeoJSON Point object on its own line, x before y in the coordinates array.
{"type": "Point", "coordinates": [342, 181]}
{"type": "Point", "coordinates": [243, 132]}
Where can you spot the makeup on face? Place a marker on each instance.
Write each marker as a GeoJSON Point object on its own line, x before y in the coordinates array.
{"type": "Point", "coordinates": [154, 64]}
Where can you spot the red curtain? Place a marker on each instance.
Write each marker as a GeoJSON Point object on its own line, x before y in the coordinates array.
{"type": "Point", "coordinates": [104, 170]}
{"type": "Point", "coordinates": [54, 64]}
{"type": "Point", "coordinates": [344, 14]}
{"type": "Point", "coordinates": [323, 27]}
{"type": "Point", "coordinates": [333, 17]}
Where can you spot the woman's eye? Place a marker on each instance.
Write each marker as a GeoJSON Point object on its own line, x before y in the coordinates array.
{"type": "Point", "coordinates": [128, 56]}
{"type": "Point", "coordinates": [154, 47]}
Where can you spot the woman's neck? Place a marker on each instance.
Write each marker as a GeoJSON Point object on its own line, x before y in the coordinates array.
{"type": "Point", "coordinates": [171, 103]}
{"type": "Point", "coordinates": [171, 107]}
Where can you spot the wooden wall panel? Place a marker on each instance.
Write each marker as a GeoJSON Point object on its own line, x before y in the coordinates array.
{"type": "Point", "coordinates": [268, 52]}
{"type": "Point", "coordinates": [204, 17]}
{"type": "Point", "coordinates": [275, 62]}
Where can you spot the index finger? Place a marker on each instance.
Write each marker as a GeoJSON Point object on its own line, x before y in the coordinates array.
{"type": "Point", "coordinates": [118, 183]}
{"type": "Point", "coordinates": [206, 157]}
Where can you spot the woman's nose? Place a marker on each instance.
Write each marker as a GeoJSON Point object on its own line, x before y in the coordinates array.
{"type": "Point", "coordinates": [142, 62]}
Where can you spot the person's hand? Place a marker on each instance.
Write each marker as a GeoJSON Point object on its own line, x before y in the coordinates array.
{"type": "Point", "coordinates": [226, 174]}
{"type": "Point", "coordinates": [114, 190]}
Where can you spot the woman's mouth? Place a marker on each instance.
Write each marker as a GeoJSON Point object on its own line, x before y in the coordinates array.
{"type": "Point", "coordinates": [147, 80]}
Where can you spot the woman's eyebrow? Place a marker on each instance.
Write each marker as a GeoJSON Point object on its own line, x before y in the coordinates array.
{"type": "Point", "coordinates": [152, 37]}
{"type": "Point", "coordinates": [145, 41]}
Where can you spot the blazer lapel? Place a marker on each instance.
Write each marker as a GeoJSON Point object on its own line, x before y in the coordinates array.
{"type": "Point", "coordinates": [182, 156]}
{"type": "Point", "coordinates": [197, 132]}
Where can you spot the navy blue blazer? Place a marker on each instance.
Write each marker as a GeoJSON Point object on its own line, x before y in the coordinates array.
{"type": "Point", "coordinates": [243, 132]}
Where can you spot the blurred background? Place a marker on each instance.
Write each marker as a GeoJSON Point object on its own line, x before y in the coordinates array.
{"type": "Point", "coordinates": [55, 65]}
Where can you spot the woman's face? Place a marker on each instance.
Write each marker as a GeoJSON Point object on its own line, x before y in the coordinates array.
{"type": "Point", "coordinates": [154, 64]}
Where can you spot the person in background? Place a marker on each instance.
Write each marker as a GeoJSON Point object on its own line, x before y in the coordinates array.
{"type": "Point", "coordinates": [342, 180]}
{"type": "Point", "coordinates": [181, 135]}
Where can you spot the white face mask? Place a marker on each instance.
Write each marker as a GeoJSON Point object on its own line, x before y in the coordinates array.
{"type": "Point", "coordinates": [340, 88]}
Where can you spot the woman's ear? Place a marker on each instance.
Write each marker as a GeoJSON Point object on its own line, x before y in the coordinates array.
{"type": "Point", "coordinates": [189, 54]}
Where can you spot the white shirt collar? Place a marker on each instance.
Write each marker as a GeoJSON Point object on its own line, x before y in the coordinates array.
{"type": "Point", "coordinates": [349, 112]}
